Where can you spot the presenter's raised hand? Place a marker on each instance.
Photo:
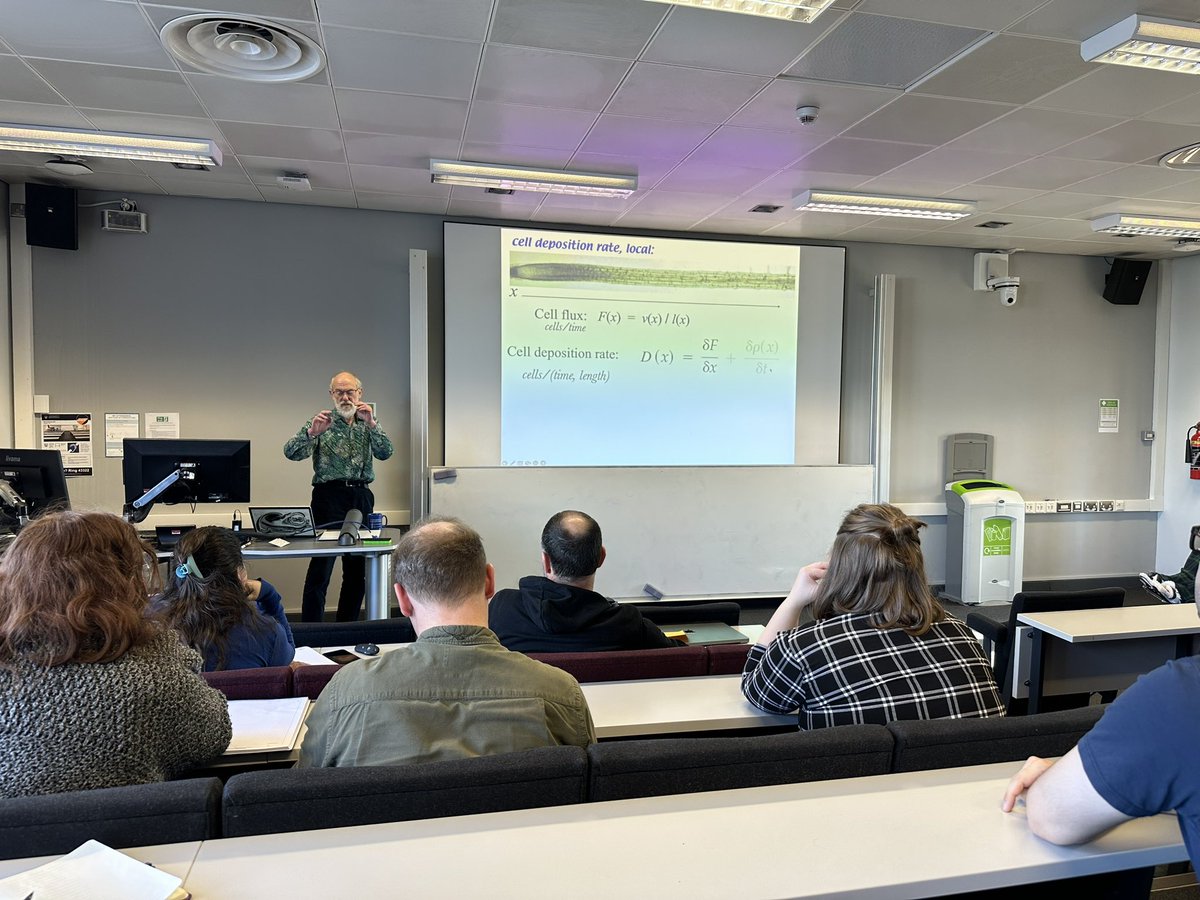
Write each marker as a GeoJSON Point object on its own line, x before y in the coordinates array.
{"type": "Point", "coordinates": [320, 423]}
{"type": "Point", "coordinates": [365, 415]}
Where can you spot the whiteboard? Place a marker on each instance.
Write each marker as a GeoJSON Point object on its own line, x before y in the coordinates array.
{"type": "Point", "coordinates": [689, 532]}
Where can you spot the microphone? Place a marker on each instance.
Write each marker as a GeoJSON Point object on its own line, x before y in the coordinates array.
{"type": "Point", "coordinates": [349, 535]}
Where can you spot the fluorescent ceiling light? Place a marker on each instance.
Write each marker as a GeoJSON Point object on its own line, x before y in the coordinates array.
{"type": "Point", "coordinates": [795, 10]}
{"type": "Point", "coordinates": [143, 147]}
{"type": "Point", "coordinates": [883, 205]}
{"type": "Point", "coordinates": [1147, 42]}
{"type": "Point", "coordinates": [523, 178]}
{"type": "Point", "coordinates": [1121, 223]}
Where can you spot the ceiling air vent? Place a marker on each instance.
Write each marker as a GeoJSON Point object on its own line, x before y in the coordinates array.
{"type": "Point", "coordinates": [244, 48]}
{"type": "Point", "coordinates": [765, 208]}
{"type": "Point", "coordinates": [993, 224]}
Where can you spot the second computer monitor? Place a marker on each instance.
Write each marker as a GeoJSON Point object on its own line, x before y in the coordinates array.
{"type": "Point", "coordinates": [37, 477]}
{"type": "Point", "coordinates": [211, 471]}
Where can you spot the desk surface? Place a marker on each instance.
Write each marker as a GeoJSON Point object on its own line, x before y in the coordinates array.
{"type": "Point", "coordinates": [848, 838]}
{"type": "Point", "coordinates": [1122, 623]}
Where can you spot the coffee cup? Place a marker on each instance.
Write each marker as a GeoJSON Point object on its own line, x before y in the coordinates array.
{"type": "Point", "coordinates": [376, 521]}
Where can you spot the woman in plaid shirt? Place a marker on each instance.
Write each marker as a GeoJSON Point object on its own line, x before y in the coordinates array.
{"type": "Point", "coordinates": [880, 646]}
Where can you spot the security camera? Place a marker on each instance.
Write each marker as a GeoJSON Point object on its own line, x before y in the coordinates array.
{"type": "Point", "coordinates": [1006, 287]}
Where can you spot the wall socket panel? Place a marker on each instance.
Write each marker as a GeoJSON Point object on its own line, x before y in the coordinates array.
{"type": "Point", "coordinates": [1041, 507]}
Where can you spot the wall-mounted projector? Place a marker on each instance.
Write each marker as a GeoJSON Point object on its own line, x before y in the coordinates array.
{"type": "Point", "coordinates": [128, 221]}
{"type": "Point", "coordinates": [293, 182]}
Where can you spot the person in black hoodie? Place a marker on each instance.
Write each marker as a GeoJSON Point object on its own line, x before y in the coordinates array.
{"type": "Point", "coordinates": [558, 611]}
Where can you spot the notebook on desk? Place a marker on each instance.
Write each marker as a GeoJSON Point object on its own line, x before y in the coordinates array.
{"type": "Point", "coordinates": [705, 633]}
{"type": "Point", "coordinates": [282, 521]}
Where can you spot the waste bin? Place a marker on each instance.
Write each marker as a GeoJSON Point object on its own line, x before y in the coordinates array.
{"type": "Point", "coordinates": [985, 541]}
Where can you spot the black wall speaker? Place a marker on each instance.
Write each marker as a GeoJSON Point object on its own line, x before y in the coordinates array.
{"type": "Point", "coordinates": [1124, 282]}
{"type": "Point", "coordinates": [51, 219]}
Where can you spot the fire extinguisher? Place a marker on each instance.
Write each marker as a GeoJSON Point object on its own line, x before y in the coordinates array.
{"type": "Point", "coordinates": [1193, 451]}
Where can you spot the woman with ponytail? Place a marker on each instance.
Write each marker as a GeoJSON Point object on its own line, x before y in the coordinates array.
{"type": "Point", "coordinates": [235, 622]}
{"type": "Point", "coordinates": [880, 646]}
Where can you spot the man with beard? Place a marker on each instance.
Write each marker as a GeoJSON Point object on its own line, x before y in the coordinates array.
{"type": "Point", "coordinates": [342, 443]}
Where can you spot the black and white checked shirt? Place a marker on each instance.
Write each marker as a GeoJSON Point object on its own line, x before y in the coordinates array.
{"type": "Point", "coordinates": [844, 671]}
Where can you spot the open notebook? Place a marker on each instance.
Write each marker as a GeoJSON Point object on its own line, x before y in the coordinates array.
{"type": "Point", "coordinates": [265, 726]}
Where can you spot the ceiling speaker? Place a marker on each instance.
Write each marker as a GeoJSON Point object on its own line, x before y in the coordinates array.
{"type": "Point", "coordinates": [51, 218]}
{"type": "Point", "coordinates": [1124, 282]}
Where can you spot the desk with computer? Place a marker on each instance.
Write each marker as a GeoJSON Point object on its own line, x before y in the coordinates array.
{"type": "Point", "coordinates": [189, 472]}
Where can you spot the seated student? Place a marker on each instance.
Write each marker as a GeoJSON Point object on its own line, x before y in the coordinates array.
{"type": "Point", "coordinates": [1179, 587]}
{"type": "Point", "coordinates": [1136, 761]}
{"type": "Point", "coordinates": [880, 646]}
{"type": "Point", "coordinates": [455, 692]}
{"type": "Point", "coordinates": [558, 611]}
{"type": "Point", "coordinates": [93, 692]}
{"type": "Point", "coordinates": [235, 622]}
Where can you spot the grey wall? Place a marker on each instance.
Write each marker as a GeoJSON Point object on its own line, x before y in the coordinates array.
{"type": "Point", "coordinates": [236, 314]}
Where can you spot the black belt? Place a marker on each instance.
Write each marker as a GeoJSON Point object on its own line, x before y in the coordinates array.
{"type": "Point", "coordinates": [339, 482]}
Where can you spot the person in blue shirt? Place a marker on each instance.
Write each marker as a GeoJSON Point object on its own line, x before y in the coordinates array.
{"type": "Point", "coordinates": [234, 621]}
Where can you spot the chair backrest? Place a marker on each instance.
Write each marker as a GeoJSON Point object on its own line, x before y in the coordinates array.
{"type": "Point", "coordinates": [252, 684]}
{"type": "Point", "coordinates": [727, 659]}
{"type": "Point", "coordinates": [626, 665]}
{"type": "Point", "coordinates": [650, 768]}
{"type": "Point", "coordinates": [945, 743]}
{"type": "Point", "coordinates": [679, 613]}
{"type": "Point", "coordinates": [309, 681]}
{"type": "Point", "coordinates": [347, 634]}
{"type": "Point", "coordinates": [1046, 601]}
{"type": "Point", "coordinates": [269, 802]}
{"type": "Point", "coordinates": [134, 816]}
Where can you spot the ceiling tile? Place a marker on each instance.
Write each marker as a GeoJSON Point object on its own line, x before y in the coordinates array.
{"type": "Point", "coordinates": [649, 171]}
{"type": "Point", "coordinates": [115, 87]}
{"type": "Point", "coordinates": [397, 150]}
{"type": "Point", "coordinates": [987, 15]}
{"type": "Point", "coordinates": [1009, 69]}
{"type": "Point", "coordinates": [713, 176]}
{"type": "Point", "coordinates": [1032, 131]}
{"type": "Point", "coordinates": [626, 136]}
{"type": "Point", "coordinates": [397, 180]}
{"type": "Point", "coordinates": [42, 114]}
{"type": "Point", "coordinates": [467, 19]}
{"type": "Point", "coordinates": [401, 203]}
{"type": "Point", "coordinates": [683, 95]}
{"type": "Point", "coordinates": [957, 166]}
{"type": "Point", "coordinates": [1046, 173]}
{"type": "Point", "coordinates": [323, 175]}
{"type": "Point", "coordinates": [271, 9]}
{"type": "Point", "coordinates": [405, 64]}
{"type": "Point", "coordinates": [22, 84]}
{"type": "Point", "coordinates": [82, 30]}
{"type": "Point", "coordinates": [841, 105]}
{"type": "Point", "coordinates": [882, 51]}
{"type": "Point", "coordinates": [860, 157]}
{"type": "Point", "coordinates": [543, 78]}
{"type": "Point", "coordinates": [756, 148]}
{"type": "Point", "coordinates": [527, 126]}
{"type": "Point", "coordinates": [654, 221]}
{"type": "Point", "coordinates": [603, 27]}
{"type": "Point", "coordinates": [306, 105]}
{"type": "Point", "coordinates": [315, 197]}
{"type": "Point", "coordinates": [894, 182]}
{"type": "Point", "coordinates": [734, 226]}
{"type": "Point", "coordinates": [1181, 112]}
{"type": "Point", "coordinates": [543, 157]}
{"type": "Point", "coordinates": [284, 142]}
{"type": "Point", "coordinates": [926, 120]}
{"type": "Point", "coordinates": [1131, 181]}
{"type": "Point", "coordinates": [779, 189]}
{"type": "Point", "coordinates": [1056, 205]}
{"type": "Point", "coordinates": [1188, 192]}
{"type": "Point", "coordinates": [1075, 20]}
{"type": "Point", "coordinates": [1120, 91]}
{"type": "Point", "coordinates": [229, 173]}
{"type": "Point", "coordinates": [752, 45]}
{"type": "Point", "coordinates": [216, 190]}
{"type": "Point", "coordinates": [567, 216]}
{"type": "Point", "coordinates": [1132, 142]}
{"type": "Point", "coordinates": [107, 181]}
{"type": "Point", "coordinates": [681, 203]}
{"type": "Point", "coordinates": [381, 113]}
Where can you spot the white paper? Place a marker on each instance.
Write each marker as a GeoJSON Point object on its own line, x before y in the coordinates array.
{"type": "Point", "coordinates": [162, 425]}
{"type": "Point", "coordinates": [310, 656]}
{"type": "Point", "coordinates": [1110, 416]}
{"type": "Point", "coordinates": [91, 872]}
{"type": "Point", "coordinates": [260, 726]}
{"type": "Point", "coordinates": [117, 427]}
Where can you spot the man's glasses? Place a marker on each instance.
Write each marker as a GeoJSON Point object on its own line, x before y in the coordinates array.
{"type": "Point", "coordinates": [347, 393]}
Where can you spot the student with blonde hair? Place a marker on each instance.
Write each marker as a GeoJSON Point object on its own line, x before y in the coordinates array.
{"type": "Point", "coordinates": [880, 646]}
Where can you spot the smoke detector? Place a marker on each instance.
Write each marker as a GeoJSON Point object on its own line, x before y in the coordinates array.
{"type": "Point", "coordinates": [241, 47]}
{"type": "Point", "coordinates": [806, 115]}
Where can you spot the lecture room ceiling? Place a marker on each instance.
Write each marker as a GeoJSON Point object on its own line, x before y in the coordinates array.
{"type": "Point", "coordinates": [984, 100]}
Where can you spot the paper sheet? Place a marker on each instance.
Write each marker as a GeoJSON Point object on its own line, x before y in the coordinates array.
{"type": "Point", "coordinates": [312, 657]}
{"type": "Point", "coordinates": [261, 726]}
{"type": "Point", "coordinates": [91, 872]}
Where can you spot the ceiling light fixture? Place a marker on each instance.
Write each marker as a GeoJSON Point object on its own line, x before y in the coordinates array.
{"type": "Point", "coordinates": [1148, 43]}
{"type": "Point", "coordinates": [1161, 226]}
{"type": "Point", "coordinates": [795, 10]}
{"type": "Point", "coordinates": [523, 178]}
{"type": "Point", "coordinates": [1186, 158]}
{"type": "Point", "coordinates": [883, 205]}
{"type": "Point", "coordinates": [114, 145]}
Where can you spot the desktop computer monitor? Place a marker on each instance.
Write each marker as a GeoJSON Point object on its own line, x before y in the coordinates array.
{"type": "Point", "coordinates": [36, 477]}
{"type": "Point", "coordinates": [210, 471]}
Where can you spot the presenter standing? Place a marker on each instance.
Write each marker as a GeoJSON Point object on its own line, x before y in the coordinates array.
{"type": "Point", "coordinates": [343, 442]}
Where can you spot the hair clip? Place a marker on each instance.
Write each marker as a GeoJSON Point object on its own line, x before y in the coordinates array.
{"type": "Point", "coordinates": [188, 567]}
{"type": "Point", "coordinates": [181, 571]}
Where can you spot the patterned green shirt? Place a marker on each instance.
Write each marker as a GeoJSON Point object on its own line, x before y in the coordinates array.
{"type": "Point", "coordinates": [343, 452]}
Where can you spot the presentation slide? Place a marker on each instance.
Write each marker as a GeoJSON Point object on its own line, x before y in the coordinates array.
{"type": "Point", "coordinates": [646, 351]}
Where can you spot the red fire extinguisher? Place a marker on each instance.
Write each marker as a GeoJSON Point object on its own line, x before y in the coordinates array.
{"type": "Point", "coordinates": [1193, 450]}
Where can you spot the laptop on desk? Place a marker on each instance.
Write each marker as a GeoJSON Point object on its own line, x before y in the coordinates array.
{"type": "Point", "coordinates": [707, 633]}
{"type": "Point", "coordinates": [282, 522]}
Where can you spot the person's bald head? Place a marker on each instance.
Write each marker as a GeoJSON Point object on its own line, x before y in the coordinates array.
{"type": "Point", "coordinates": [441, 562]}
{"type": "Point", "coordinates": [573, 545]}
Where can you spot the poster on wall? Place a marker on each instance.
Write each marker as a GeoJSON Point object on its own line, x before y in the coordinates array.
{"type": "Point", "coordinates": [162, 425]}
{"type": "Point", "coordinates": [71, 435]}
{"type": "Point", "coordinates": [117, 427]}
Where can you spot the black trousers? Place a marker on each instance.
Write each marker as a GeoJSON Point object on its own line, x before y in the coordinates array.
{"type": "Point", "coordinates": [330, 503]}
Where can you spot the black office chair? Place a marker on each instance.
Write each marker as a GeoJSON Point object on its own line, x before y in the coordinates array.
{"type": "Point", "coordinates": [998, 636]}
